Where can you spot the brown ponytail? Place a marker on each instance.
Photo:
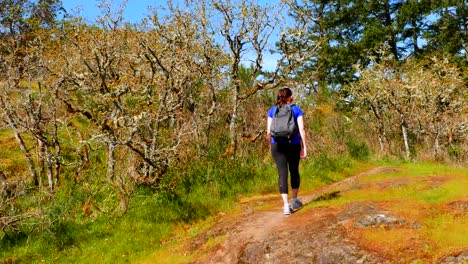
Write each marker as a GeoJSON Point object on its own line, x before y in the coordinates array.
{"type": "Point", "coordinates": [283, 95]}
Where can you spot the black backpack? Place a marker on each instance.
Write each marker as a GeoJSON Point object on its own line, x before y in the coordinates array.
{"type": "Point", "coordinates": [283, 126]}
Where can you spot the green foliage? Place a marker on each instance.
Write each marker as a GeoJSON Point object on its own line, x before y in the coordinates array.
{"type": "Point", "coordinates": [355, 31]}
{"type": "Point", "coordinates": [224, 179]}
{"type": "Point", "coordinates": [358, 150]}
{"type": "Point", "coordinates": [325, 165]}
{"type": "Point", "coordinates": [11, 239]}
{"type": "Point", "coordinates": [63, 234]}
{"type": "Point", "coordinates": [20, 17]}
{"type": "Point", "coordinates": [455, 151]}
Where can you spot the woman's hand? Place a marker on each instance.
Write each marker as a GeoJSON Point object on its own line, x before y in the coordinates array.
{"type": "Point", "coordinates": [303, 154]}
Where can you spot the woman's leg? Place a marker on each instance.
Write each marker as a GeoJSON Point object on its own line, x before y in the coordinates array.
{"type": "Point", "coordinates": [293, 159]}
{"type": "Point", "coordinates": [279, 155]}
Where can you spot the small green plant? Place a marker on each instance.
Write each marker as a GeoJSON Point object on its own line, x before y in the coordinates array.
{"type": "Point", "coordinates": [358, 150]}
{"type": "Point", "coordinates": [455, 152]}
{"type": "Point", "coordinates": [325, 165]}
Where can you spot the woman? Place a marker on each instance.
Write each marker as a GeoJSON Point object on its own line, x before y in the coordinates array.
{"type": "Point", "coordinates": [287, 153]}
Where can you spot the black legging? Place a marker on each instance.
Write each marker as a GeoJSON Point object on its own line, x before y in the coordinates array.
{"type": "Point", "coordinates": [286, 157]}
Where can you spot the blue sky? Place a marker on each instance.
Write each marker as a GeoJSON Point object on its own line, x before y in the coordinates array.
{"type": "Point", "coordinates": [135, 10]}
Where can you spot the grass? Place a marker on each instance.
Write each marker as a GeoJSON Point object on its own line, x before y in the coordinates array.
{"type": "Point", "coordinates": [117, 242]}
{"type": "Point", "coordinates": [107, 239]}
{"type": "Point", "coordinates": [407, 170]}
{"type": "Point", "coordinates": [441, 234]}
{"type": "Point", "coordinates": [175, 248]}
{"type": "Point", "coordinates": [420, 194]}
{"type": "Point", "coordinates": [391, 241]}
{"type": "Point", "coordinates": [452, 189]}
{"type": "Point", "coordinates": [420, 188]}
{"type": "Point", "coordinates": [446, 232]}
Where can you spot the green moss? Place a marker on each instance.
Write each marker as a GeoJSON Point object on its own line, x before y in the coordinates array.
{"type": "Point", "coordinates": [446, 232]}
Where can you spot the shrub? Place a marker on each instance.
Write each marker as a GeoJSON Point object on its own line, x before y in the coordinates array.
{"type": "Point", "coordinates": [455, 152]}
{"type": "Point", "coordinates": [358, 150]}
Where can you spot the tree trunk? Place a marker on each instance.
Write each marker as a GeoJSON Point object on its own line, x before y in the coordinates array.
{"type": "Point", "coordinates": [389, 21]}
{"type": "Point", "coordinates": [436, 143]}
{"type": "Point", "coordinates": [50, 173]}
{"type": "Point", "coordinates": [382, 136]}
{"type": "Point", "coordinates": [20, 141]}
{"type": "Point", "coordinates": [210, 115]}
{"type": "Point", "coordinates": [405, 137]}
{"type": "Point", "coordinates": [381, 143]}
{"type": "Point", "coordinates": [415, 36]}
{"type": "Point", "coordinates": [232, 123]}
{"type": "Point", "coordinates": [111, 161]}
{"type": "Point", "coordinates": [4, 184]}
{"type": "Point", "coordinates": [46, 158]}
{"type": "Point", "coordinates": [57, 151]}
{"type": "Point", "coordinates": [381, 130]}
{"type": "Point", "coordinates": [437, 127]}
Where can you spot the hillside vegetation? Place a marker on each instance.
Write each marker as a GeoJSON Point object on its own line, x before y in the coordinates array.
{"type": "Point", "coordinates": [113, 135]}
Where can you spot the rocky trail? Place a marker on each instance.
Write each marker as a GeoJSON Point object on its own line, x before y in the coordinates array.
{"type": "Point", "coordinates": [323, 234]}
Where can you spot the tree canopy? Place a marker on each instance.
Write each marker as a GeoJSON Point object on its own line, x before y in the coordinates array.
{"type": "Point", "coordinates": [354, 31]}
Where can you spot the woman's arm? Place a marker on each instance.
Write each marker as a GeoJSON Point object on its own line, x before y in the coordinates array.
{"type": "Point", "coordinates": [269, 120]}
{"type": "Point", "coordinates": [300, 124]}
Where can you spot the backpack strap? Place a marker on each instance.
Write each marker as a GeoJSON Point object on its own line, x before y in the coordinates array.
{"type": "Point", "coordinates": [277, 107]}
{"type": "Point", "coordinates": [291, 106]}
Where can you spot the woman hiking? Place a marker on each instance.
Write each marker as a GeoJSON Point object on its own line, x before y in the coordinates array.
{"type": "Point", "coordinates": [287, 151]}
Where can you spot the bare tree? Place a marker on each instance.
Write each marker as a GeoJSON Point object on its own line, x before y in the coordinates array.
{"type": "Point", "coordinates": [30, 106]}
{"type": "Point", "coordinates": [422, 97]}
{"type": "Point", "coordinates": [247, 30]}
{"type": "Point", "coordinates": [137, 89]}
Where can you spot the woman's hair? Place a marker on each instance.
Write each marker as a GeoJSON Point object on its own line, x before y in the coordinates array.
{"type": "Point", "coordinates": [283, 96]}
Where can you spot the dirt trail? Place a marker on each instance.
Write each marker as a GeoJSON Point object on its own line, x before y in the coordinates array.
{"type": "Point", "coordinates": [257, 226]}
{"type": "Point", "coordinates": [261, 224]}
{"type": "Point", "coordinates": [322, 235]}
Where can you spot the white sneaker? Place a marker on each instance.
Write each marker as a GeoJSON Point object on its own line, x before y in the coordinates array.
{"type": "Point", "coordinates": [286, 209]}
